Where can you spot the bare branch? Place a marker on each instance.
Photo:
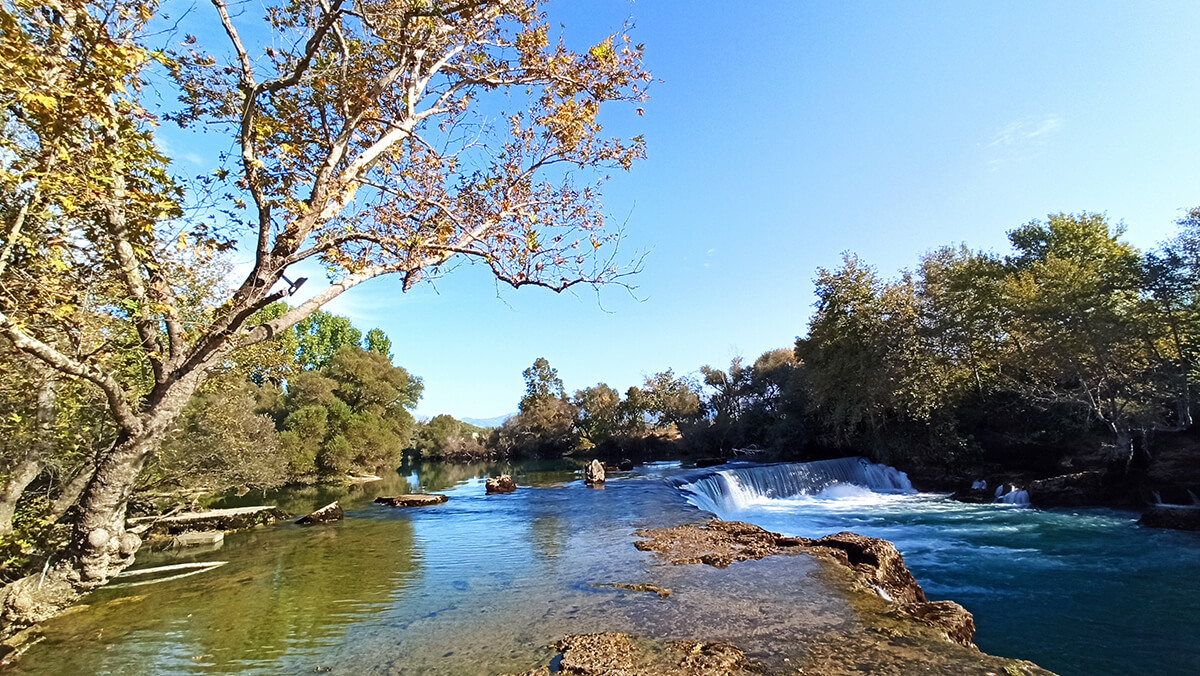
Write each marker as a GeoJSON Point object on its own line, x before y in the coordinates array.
{"type": "Point", "coordinates": [118, 401]}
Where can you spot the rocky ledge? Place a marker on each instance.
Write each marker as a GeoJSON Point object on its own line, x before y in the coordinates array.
{"type": "Point", "coordinates": [875, 564]}
{"type": "Point", "coordinates": [855, 609]}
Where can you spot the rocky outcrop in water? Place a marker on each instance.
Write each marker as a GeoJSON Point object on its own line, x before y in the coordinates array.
{"type": "Point", "coordinates": [593, 474]}
{"type": "Point", "coordinates": [500, 484]}
{"type": "Point", "coordinates": [327, 514]}
{"type": "Point", "coordinates": [717, 543]}
{"type": "Point", "coordinates": [413, 500]}
{"type": "Point", "coordinates": [614, 654]}
{"type": "Point", "coordinates": [1069, 490]}
{"type": "Point", "coordinates": [876, 565]}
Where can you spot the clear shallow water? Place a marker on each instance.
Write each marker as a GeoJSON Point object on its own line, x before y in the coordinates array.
{"type": "Point", "coordinates": [1083, 591]}
{"type": "Point", "coordinates": [478, 585]}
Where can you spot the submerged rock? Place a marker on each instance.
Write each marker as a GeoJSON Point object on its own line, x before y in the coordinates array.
{"type": "Point", "coordinates": [615, 654]}
{"type": "Point", "coordinates": [237, 518]}
{"type": "Point", "coordinates": [199, 538]}
{"type": "Point", "coordinates": [876, 565]}
{"type": "Point", "coordinates": [593, 474]}
{"type": "Point", "coordinates": [655, 589]}
{"type": "Point", "coordinates": [501, 484]}
{"type": "Point", "coordinates": [413, 500]}
{"type": "Point", "coordinates": [327, 514]}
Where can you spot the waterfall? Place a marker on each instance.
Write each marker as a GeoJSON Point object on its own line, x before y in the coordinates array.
{"type": "Point", "coordinates": [736, 488]}
{"type": "Point", "coordinates": [1011, 495]}
{"type": "Point", "coordinates": [1014, 497]}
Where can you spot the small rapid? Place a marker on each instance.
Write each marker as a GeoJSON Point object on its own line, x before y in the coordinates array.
{"type": "Point", "coordinates": [1055, 586]}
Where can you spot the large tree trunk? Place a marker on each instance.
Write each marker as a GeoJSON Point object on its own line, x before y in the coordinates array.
{"type": "Point", "coordinates": [68, 497]}
{"type": "Point", "coordinates": [100, 546]}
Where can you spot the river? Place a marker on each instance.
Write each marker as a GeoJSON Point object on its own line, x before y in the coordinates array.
{"type": "Point", "coordinates": [483, 584]}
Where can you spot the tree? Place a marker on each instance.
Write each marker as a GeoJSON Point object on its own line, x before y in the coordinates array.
{"type": "Point", "coordinates": [358, 145]}
{"type": "Point", "coordinates": [221, 443]}
{"type": "Point", "coordinates": [443, 436]}
{"type": "Point", "coordinates": [320, 336]}
{"type": "Point", "coordinates": [541, 383]}
{"type": "Point", "coordinates": [668, 400]}
{"type": "Point", "coordinates": [599, 414]}
{"type": "Point", "coordinates": [845, 352]}
{"type": "Point", "coordinates": [354, 414]}
{"type": "Point", "coordinates": [1172, 285]}
{"type": "Point", "coordinates": [545, 423]}
{"type": "Point", "coordinates": [378, 342]}
{"type": "Point", "coordinates": [1073, 318]}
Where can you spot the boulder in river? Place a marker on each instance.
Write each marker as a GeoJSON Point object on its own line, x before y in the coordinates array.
{"type": "Point", "coordinates": [412, 500]}
{"type": "Point", "coordinates": [500, 484]}
{"type": "Point", "coordinates": [1173, 517]}
{"type": "Point", "coordinates": [327, 514]}
{"type": "Point", "coordinates": [593, 474]}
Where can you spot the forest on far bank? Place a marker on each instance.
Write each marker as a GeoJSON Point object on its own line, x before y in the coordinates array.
{"type": "Point", "coordinates": [1072, 341]}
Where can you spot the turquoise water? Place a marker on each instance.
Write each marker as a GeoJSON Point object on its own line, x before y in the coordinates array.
{"type": "Point", "coordinates": [1078, 591]}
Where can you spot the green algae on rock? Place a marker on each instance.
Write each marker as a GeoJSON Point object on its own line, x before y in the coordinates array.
{"type": "Point", "coordinates": [655, 589]}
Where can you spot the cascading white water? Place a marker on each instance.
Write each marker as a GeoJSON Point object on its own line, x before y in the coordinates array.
{"type": "Point", "coordinates": [1014, 497]}
{"type": "Point", "coordinates": [733, 489]}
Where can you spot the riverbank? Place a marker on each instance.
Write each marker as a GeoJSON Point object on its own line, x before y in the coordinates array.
{"type": "Point", "coordinates": [478, 585]}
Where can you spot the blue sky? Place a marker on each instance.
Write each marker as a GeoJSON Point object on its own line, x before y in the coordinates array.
{"type": "Point", "coordinates": [784, 134]}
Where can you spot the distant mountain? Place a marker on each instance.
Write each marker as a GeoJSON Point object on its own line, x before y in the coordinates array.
{"type": "Point", "coordinates": [495, 421]}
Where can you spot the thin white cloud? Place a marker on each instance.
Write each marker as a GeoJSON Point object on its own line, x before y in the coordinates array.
{"type": "Point", "coordinates": [1021, 140]}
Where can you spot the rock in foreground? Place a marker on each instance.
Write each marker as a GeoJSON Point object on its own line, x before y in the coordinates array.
{"type": "Point", "coordinates": [500, 484]}
{"type": "Point", "coordinates": [413, 500]}
{"type": "Point", "coordinates": [327, 514]}
{"type": "Point", "coordinates": [610, 654]}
